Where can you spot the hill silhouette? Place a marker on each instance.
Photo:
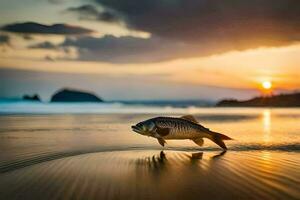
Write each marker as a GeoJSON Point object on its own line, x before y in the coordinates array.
{"type": "Point", "coordinates": [72, 95]}
{"type": "Point", "coordinates": [281, 100]}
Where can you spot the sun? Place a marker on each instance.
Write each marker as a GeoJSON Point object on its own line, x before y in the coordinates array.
{"type": "Point", "coordinates": [267, 85]}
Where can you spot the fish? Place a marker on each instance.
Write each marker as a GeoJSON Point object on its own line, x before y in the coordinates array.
{"type": "Point", "coordinates": [179, 128]}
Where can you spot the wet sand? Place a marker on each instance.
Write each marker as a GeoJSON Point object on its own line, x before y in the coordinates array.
{"type": "Point", "coordinates": [152, 174]}
{"type": "Point", "coordinates": [98, 157]}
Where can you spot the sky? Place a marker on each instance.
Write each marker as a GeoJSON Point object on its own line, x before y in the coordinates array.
{"type": "Point", "coordinates": [149, 49]}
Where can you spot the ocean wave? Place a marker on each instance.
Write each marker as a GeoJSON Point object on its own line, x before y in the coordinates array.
{"type": "Point", "coordinates": [25, 107]}
{"type": "Point", "coordinates": [81, 108]}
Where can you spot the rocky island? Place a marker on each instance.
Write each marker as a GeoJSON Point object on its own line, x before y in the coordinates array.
{"type": "Point", "coordinates": [281, 100]}
{"type": "Point", "coordinates": [34, 97]}
{"type": "Point", "coordinates": [72, 95]}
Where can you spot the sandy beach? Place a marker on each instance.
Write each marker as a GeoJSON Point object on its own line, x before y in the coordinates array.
{"type": "Point", "coordinates": [98, 157]}
{"type": "Point", "coordinates": [145, 174]}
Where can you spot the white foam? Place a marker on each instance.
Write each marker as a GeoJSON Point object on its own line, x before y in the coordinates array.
{"type": "Point", "coordinates": [22, 107]}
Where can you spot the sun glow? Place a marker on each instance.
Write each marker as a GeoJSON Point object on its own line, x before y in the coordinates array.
{"type": "Point", "coordinates": [267, 85]}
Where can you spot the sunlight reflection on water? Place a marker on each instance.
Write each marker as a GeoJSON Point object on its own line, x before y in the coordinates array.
{"type": "Point", "coordinates": [267, 125]}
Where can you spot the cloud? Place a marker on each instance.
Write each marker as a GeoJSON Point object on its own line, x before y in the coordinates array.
{"type": "Point", "coordinates": [129, 49]}
{"type": "Point", "coordinates": [126, 49]}
{"type": "Point", "coordinates": [27, 37]}
{"type": "Point", "coordinates": [44, 45]}
{"type": "Point", "coordinates": [217, 24]}
{"type": "Point", "coordinates": [185, 28]}
{"type": "Point", "coordinates": [4, 40]}
{"type": "Point", "coordinates": [57, 1]}
{"type": "Point", "coordinates": [36, 28]}
{"type": "Point", "coordinates": [90, 12]}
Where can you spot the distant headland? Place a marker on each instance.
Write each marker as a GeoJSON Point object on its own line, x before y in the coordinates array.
{"type": "Point", "coordinates": [34, 97]}
{"type": "Point", "coordinates": [72, 95]}
{"type": "Point", "coordinates": [281, 100]}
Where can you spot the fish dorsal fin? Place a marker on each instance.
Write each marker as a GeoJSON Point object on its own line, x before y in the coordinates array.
{"type": "Point", "coordinates": [190, 118]}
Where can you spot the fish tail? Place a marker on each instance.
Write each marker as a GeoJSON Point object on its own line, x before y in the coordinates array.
{"type": "Point", "coordinates": [218, 139]}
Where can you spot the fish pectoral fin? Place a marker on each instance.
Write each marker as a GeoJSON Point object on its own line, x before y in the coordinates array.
{"type": "Point", "coordinates": [190, 118]}
{"type": "Point", "coordinates": [162, 131]}
{"type": "Point", "coordinates": [199, 141]}
{"type": "Point", "coordinates": [161, 141]}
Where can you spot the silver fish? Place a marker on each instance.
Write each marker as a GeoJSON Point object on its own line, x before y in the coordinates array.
{"type": "Point", "coordinates": [185, 127]}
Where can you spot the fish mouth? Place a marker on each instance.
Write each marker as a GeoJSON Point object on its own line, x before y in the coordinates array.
{"type": "Point", "coordinates": [137, 129]}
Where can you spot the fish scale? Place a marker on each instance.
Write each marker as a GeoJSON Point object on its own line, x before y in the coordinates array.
{"type": "Point", "coordinates": [180, 128]}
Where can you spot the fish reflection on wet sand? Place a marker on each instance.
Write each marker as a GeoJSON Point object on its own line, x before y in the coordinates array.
{"type": "Point", "coordinates": [144, 174]}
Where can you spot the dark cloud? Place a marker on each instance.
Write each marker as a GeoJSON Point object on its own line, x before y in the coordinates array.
{"type": "Point", "coordinates": [186, 28]}
{"type": "Point", "coordinates": [27, 37]}
{"type": "Point", "coordinates": [230, 24]}
{"type": "Point", "coordinates": [44, 45]}
{"type": "Point", "coordinates": [57, 1]}
{"type": "Point", "coordinates": [84, 10]}
{"type": "Point", "coordinates": [129, 49]}
{"type": "Point", "coordinates": [90, 12]}
{"type": "Point", "coordinates": [108, 17]}
{"type": "Point", "coordinates": [4, 39]}
{"type": "Point", "coordinates": [124, 49]}
{"type": "Point", "coordinates": [32, 27]}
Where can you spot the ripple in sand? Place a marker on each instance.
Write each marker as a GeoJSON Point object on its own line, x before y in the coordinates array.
{"type": "Point", "coordinates": [158, 175]}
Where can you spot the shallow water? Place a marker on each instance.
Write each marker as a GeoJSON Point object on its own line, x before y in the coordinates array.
{"type": "Point", "coordinates": [97, 156]}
